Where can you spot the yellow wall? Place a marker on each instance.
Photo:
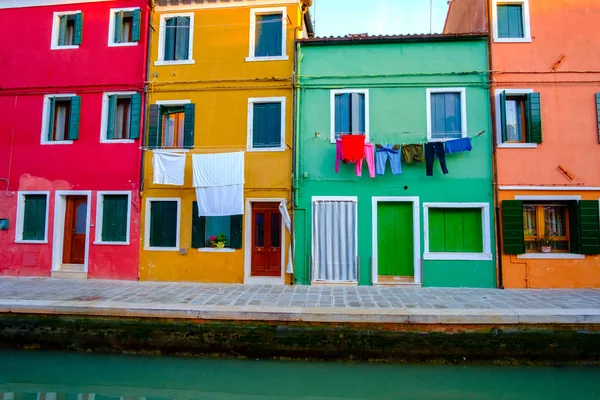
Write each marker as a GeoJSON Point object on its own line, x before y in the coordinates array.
{"type": "Point", "coordinates": [219, 83]}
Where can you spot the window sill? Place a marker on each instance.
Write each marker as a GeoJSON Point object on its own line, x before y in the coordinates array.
{"type": "Point", "coordinates": [512, 40]}
{"type": "Point", "coordinates": [64, 47]}
{"type": "Point", "coordinates": [274, 58]}
{"type": "Point", "coordinates": [440, 140]}
{"type": "Point", "coordinates": [265, 149]}
{"type": "Point", "coordinates": [178, 62]}
{"type": "Point", "coordinates": [458, 256]}
{"type": "Point", "coordinates": [113, 141]}
{"type": "Point", "coordinates": [112, 243]}
{"type": "Point", "coordinates": [518, 146]}
{"type": "Point", "coordinates": [551, 256]}
{"type": "Point", "coordinates": [161, 249]}
{"type": "Point", "coordinates": [58, 142]}
{"type": "Point", "coordinates": [31, 241]}
{"type": "Point", "coordinates": [214, 250]}
{"type": "Point", "coordinates": [126, 44]}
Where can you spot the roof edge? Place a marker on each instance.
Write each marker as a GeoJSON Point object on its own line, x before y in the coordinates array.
{"type": "Point", "coordinates": [356, 39]}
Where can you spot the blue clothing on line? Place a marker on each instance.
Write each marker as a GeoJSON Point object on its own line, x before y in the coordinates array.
{"type": "Point", "coordinates": [458, 145]}
{"type": "Point", "coordinates": [381, 156]}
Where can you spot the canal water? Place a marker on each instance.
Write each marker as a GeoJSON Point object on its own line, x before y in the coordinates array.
{"type": "Point", "coordinates": [69, 376]}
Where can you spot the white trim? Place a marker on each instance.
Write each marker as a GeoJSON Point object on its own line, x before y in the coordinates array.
{"type": "Point", "coordinates": [99, 213]}
{"type": "Point", "coordinates": [60, 206]}
{"type": "Point", "coordinates": [147, 224]}
{"type": "Point", "coordinates": [56, 30]}
{"type": "Point", "coordinates": [220, 4]}
{"type": "Point", "coordinates": [544, 198]}
{"type": "Point", "coordinates": [104, 120]}
{"type": "Point", "coordinates": [161, 40]}
{"type": "Point", "coordinates": [21, 216]}
{"type": "Point", "coordinates": [259, 100]}
{"type": "Point", "coordinates": [486, 255]}
{"type": "Point", "coordinates": [215, 250]}
{"type": "Point", "coordinates": [526, 21]}
{"type": "Point", "coordinates": [39, 3]}
{"type": "Point", "coordinates": [509, 145]}
{"type": "Point", "coordinates": [334, 198]}
{"type": "Point", "coordinates": [46, 115]}
{"type": "Point", "coordinates": [172, 102]}
{"type": "Point", "coordinates": [463, 110]}
{"type": "Point", "coordinates": [267, 11]}
{"type": "Point", "coordinates": [332, 95]}
{"type": "Point", "coordinates": [111, 27]}
{"type": "Point", "coordinates": [550, 256]}
{"type": "Point", "coordinates": [248, 278]}
{"type": "Point", "coordinates": [417, 270]}
{"type": "Point", "coordinates": [553, 188]}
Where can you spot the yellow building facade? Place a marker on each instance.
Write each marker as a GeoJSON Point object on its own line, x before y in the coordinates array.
{"type": "Point", "coordinates": [220, 81]}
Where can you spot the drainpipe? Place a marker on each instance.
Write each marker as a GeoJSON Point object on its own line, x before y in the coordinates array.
{"type": "Point", "coordinates": [145, 125]}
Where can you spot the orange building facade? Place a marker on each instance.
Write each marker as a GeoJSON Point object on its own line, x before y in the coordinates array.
{"type": "Point", "coordinates": [545, 98]}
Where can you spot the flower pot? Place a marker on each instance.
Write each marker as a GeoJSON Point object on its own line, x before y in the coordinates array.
{"type": "Point", "coordinates": [546, 249]}
{"type": "Point", "coordinates": [220, 245]}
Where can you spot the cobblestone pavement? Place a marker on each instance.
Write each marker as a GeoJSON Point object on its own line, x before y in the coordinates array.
{"type": "Point", "coordinates": [293, 296]}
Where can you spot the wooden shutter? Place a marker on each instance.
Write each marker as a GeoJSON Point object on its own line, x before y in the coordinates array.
{"type": "Point", "coordinates": [503, 125]}
{"type": "Point", "coordinates": [136, 116]}
{"type": "Point", "coordinates": [78, 31]}
{"type": "Point", "coordinates": [512, 227]}
{"type": "Point", "coordinates": [171, 26]}
{"type": "Point", "coordinates": [118, 26]}
{"type": "Point", "coordinates": [156, 223]}
{"type": "Point", "coordinates": [589, 226]}
{"type": "Point", "coordinates": [268, 34]}
{"type": "Point", "coordinates": [114, 218]}
{"type": "Point", "coordinates": [598, 113]}
{"type": "Point", "coordinates": [198, 228]}
{"type": "Point", "coordinates": [51, 117]}
{"type": "Point", "coordinates": [137, 25]}
{"type": "Point", "coordinates": [34, 217]}
{"type": "Point", "coordinates": [342, 113]}
{"type": "Point", "coordinates": [169, 226]}
{"type": "Point", "coordinates": [574, 230]}
{"type": "Point", "coordinates": [534, 118]}
{"type": "Point", "coordinates": [62, 30]}
{"type": "Point", "coordinates": [273, 133]}
{"type": "Point", "coordinates": [154, 127]}
{"type": "Point", "coordinates": [235, 241]}
{"type": "Point", "coordinates": [182, 39]}
{"type": "Point", "coordinates": [189, 111]}
{"type": "Point", "coordinates": [74, 118]}
{"type": "Point", "coordinates": [112, 114]}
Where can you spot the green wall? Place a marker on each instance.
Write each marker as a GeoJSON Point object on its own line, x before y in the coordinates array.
{"type": "Point", "coordinates": [397, 76]}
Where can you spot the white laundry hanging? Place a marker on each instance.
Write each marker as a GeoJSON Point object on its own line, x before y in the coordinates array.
{"type": "Point", "coordinates": [288, 224]}
{"type": "Point", "coordinates": [169, 168]}
{"type": "Point", "coordinates": [220, 200]}
{"type": "Point", "coordinates": [221, 169]}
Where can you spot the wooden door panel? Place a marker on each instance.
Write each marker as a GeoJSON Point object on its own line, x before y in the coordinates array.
{"type": "Point", "coordinates": [395, 239]}
{"type": "Point", "coordinates": [266, 240]}
{"type": "Point", "coordinates": [75, 230]}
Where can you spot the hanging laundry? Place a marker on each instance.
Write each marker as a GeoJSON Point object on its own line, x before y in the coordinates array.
{"type": "Point", "coordinates": [370, 157]}
{"type": "Point", "coordinates": [382, 154]}
{"type": "Point", "coordinates": [412, 153]}
{"type": "Point", "coordinates": [220, 201]}
{"type": "Point", "coordinates": [285, 215]}
{"type": "Point", "coordinates": [432, 150]}
{"type": "Point", "coordinates": [169, 168]}
{"type": "Point", "coordinates": [458, 145]}
{"type": "Point", "coordinates": [353, 147]}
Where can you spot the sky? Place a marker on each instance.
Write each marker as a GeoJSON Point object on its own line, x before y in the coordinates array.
{"type": "Point", "coordinates": [377, 17]}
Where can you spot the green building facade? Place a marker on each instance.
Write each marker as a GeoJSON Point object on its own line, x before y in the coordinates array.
{"type": "Point", "coordinates": [408, 228]}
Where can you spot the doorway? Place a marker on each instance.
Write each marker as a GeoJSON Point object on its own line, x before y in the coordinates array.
{"type": "Point", "coordinates": [75, 230]}
{"type": "Point", "coordinates": [266, 240]}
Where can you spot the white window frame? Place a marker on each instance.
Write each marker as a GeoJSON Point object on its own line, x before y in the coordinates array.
{"type": "Point", "coordinates": [56, 30]}
{"type": "Point", "coordinates": [111, 27]}
{"type": "Point", "coordinates": [162, 36]}
{"type": "Point", "coordinates": [21, 216]}
{"type": "Point", "coordinates": [258, 100]}
{"type": "Point", "coordinates": [332, 95]}
{"type": "Point", "coordinates": [463, 111]}
{"type": "Point", "coordinates": [46, 115]}
{"type": "Point", "coordinates": [526, 21]}
{"type": "Point", "coordinates": [486, 255]}
{"type": "Point", "coordinates": [147, 216]}
{"type": "Point", "coordinates": [99, 214]}
{"type": "Point", "coordinates": [501, 144]}
{"type": "Point", "coordinates": [104, 121]}
{"type": "Point", "coordinates": [172, 103]}
{"type": "Point", "coordinates": [252, 48]}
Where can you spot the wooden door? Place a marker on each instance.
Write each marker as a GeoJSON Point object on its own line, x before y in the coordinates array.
{"type": "Point", "coordinates": [395, 240]}
{"type": "Point", "coordinates": [75, 230]}
{"type": "Point", "coordinates": [266, 240]}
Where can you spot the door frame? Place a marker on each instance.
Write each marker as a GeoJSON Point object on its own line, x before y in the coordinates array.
{"type": "Point", "coordinates": [60, 208]}
{"type": "Point", "coordinates": [416, 233]}
{"type": "Point", "coordinates": [262, 280]}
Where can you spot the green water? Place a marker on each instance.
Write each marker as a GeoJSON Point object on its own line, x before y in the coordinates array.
{"type": "Point", "coordinates": [68, 376]}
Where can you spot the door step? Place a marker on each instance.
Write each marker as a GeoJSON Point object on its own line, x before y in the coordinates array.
{"type": "Point", "coordinates": [387, 280]}
{"type": "Point", "coordinates": [68, 274]}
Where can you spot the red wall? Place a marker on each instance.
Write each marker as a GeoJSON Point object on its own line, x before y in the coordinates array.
{"type": "Point", "coordinates": [28, 71]}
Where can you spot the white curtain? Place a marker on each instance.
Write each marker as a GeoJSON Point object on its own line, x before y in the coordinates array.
{"type": "Point", "coordinates": [289, 269]}
{"type": "Point", "coordinates": [334, 241]}
{"type": "Point", "coordinates": [61, 122]}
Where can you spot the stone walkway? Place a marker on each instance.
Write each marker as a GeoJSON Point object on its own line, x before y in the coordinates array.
{"type": "Point", "coordinates": [132, 298]}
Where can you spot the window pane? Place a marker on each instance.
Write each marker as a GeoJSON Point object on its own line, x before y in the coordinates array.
{"type": "Point", "coordinates": [70, 33]}
{"type": "Point", "coordinates": [343, 116]}
{"type": "Point", "coordinates": [266, 125]}
{"type": "Point", "coordinates": [275, 230]}
{"type": "Point", "coordinates": [268, 33]}
{"type": "Point", "coordinates": [80, 218]}
{"type": "Point", "coordinates": [446, 115]}
{"type": "Point", "coordinates": [173, 128]}
{"type": "Point", "coordinates": [122, 118]}
{"type": "Point", "coordinates": [259, 234]}
{"type": "Point", "coordinates": [62, 113]}
{"type": "Point", "coordinates": [126, 29]}
{"type": "Point", "coordinates": [182, 39]}
{"type": "Point", "coordinates": [514, 121]}
{"type": "Point", "coordinates": [529, 220]}
{"type": "Point", "coordinates": [216, 226]}
{"type": "Point", "coordinates": [555, 220]}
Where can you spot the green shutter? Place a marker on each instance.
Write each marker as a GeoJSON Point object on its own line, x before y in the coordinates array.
{"type": "Point", "coordinates": [188, 125]}
{"type": "Point", "coordinates": [78, 31]}
{"type": "Point", "coordinates": [74, 118]}
{"type": "Point", "coordinates": [512, 227]}
{"type": "Point", "coordinates": [118, 26]}
{"type": "Point", "coordinates": [154, 128]}
{"type": "Point", "coordinates": [235, 241]}
{"type": "Point", "coordinates": [170, 28]}
{"type": "Point", "coordinates": [51, 117]}
{"type": "Point", "coordinates": [34, 217]}
{"type": "Point", "coordinates": [198, 228]}
{"type": "Point", "coordinates": [534, 118]}
{"type": "Point", "coordinates": [156, 222]}
{"type": "Point", "coordinates": [598, 113]}
{"type": "Point", "coordinates": [114, 218]}
{"type": "Point", "coordinates": [589, 226]}
{"type": "Point", "coordinates": [503, 117]}
{"type": "Point", "coordinates": [574, 228]}
{"type": "Point", "coordinates": [62, 30]}
{"type": "Point", "coordinates": [137, 24]}
{"type": "Point", "coordinates": [112, 113]}
{"type": "Point", "coordinates": [136, 116]}
{"type": "Point", "coordinates": [163, 224]}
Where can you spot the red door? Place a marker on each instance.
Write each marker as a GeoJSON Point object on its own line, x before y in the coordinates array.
{"type": "Point", "coordinates": [266, 240]}
{"type": "Point", "coordinates": [75, 230]}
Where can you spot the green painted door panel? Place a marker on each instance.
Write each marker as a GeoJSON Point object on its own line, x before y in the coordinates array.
{"type": "Point", "coordinates": [395, 241]}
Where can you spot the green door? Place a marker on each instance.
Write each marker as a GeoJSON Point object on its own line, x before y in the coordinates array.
{"type": "Point", "coordinates": [395, 251]}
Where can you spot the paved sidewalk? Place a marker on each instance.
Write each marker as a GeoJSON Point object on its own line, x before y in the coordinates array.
{"type": "Point", "coordinates": [266, 302]}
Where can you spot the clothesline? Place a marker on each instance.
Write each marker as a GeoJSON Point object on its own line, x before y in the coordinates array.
{"type": "Point", "coordinates": [425, 139]}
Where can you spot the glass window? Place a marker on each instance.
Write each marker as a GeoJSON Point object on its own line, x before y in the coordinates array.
{"type": "Point", "coordinates": [217, 229]}
{"type": "Point", "coordinates": [268, 34]}
{"type": "Point", "coordinates": [172, 126]}
{"type": "Point", "coordinates": [546, 221]}
{"type": "Point", "coordinates": [516, 122]}
{"type": "Point", "coordinates": [349, 114]}
{"type": "Point", "coordinates": [510, 21]}
{"type": "Point", "coordinates": [266, 125]}
{"type": "Point", "coordinates": [446, 115]}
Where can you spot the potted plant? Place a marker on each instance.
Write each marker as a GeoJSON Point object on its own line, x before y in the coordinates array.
{"type": "Point", "coordinates": [545, 242]}
{"type": "Point", "coordinates": [218, 242]}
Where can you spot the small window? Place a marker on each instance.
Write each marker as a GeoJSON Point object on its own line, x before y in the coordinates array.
{"type": "Point", "coordinates": [176, 38]}
{"type": "Point", "coordinates": [113, 219]}
{"type": "Point", "coordinates": [125, 26]}
{"type": "Point", "coordinates": [447, 114]}
{"type": "Point", "coordinates": [31, 216]}
{"type": "Point", "coordinates": [455, 230]}
{"type": "Point", "coordinates": [163, 231]}
{"type": "Point", "coordinates": [67, 30]}
{"type": "Point", "coordinates": [62, 118]}
{"type": "Point", "coordinates": [268, 35]}
{"type": "Point", "coordinates": [60, 124]}
{"type": "Point", "coordinates": [208, 232]}
{"type": "Point", "coordinates": [510, 21]}
{"type": "Point", "coordinates": [122, 116]}
{"type": "Point", "coordinates": [516, 120]}
{"type": "Point", "coordinates": [520, 117]}
{"type": "Point", "coordinates": [349, 113]}
{"type": "Point", "coordinates": [546, 221]}
{"type": "Point", "coordinates": [267, 122]}
{"type": "Point", "coordinates": [171, 126]}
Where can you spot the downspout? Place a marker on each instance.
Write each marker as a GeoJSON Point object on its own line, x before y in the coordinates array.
{"type": "Point", "coordinates": [145, 125]}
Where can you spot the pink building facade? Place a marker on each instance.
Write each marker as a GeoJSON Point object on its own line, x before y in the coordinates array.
{"type": "Point", "coordinates": [72, 93]}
